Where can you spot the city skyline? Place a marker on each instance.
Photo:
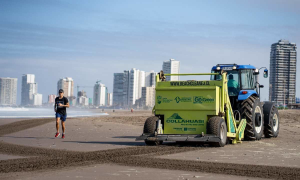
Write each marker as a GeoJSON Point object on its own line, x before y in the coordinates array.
{"type": "Point", "coordinates": [88, 41]}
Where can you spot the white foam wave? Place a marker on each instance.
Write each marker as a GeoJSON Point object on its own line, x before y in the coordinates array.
{"type": "Point", "coordinates": [13, 109]}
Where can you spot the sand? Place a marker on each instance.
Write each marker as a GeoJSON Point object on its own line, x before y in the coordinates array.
{"type": "Point", "coordinates": [105, 148]}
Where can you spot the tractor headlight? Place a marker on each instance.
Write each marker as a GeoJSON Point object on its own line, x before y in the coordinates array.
{"type": "Point", "coordinates": [234, 67]}
{"type": "Point", "coordinates": [218, 68]}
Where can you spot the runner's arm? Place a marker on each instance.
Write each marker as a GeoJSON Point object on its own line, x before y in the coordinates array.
{"type": "Point", "coordinates": [55, 107]}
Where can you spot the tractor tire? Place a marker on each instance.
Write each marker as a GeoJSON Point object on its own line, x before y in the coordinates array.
{"type": "Point", "coordinates": [252, 111]}
{"type": "Point", "coordinates": [217, 126]}
{"type": "Point", "coordinates": [150, 127]}
{"type": "Point", "coordinates": [271, 120]}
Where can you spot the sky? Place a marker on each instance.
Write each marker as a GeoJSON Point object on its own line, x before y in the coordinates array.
{"type": "Point", "coordinates": [91, 40]}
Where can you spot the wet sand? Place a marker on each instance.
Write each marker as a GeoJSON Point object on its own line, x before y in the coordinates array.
{"type": "Point", "coordinates": [106, 146]}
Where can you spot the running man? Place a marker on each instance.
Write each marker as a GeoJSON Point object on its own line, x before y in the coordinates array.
{"type": "Point", "coordinates": [60, 107]}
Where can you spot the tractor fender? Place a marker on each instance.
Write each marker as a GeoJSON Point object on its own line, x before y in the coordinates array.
{"type": "Point", "coordinates": [243, 97]}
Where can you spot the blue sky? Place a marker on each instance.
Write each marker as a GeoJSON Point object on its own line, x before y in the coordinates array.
{"type": "Point", "coordinates": [91, 40]}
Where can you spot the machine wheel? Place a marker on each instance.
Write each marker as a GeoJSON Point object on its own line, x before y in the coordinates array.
{"type": "Point", "coordinates": [271, 118]}
{"type": "Point", "coordinates": [252, 110]}
{"type": "Point", "coordinates": [150, 127]}
{"type": "Point", "coordinates": [217, 126]}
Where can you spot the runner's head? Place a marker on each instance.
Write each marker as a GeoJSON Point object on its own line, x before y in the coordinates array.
{"type": "Point", "coordinates": [61, 93]}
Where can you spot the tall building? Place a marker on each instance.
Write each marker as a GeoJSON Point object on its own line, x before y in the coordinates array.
{"type": "Point", "coordinates": [120, 89]}
{"type": "Point", "coordinates": [51, 98]}
{"type": "Point", "coordinates": [283, 61]}
{"type": "Point", "coordinates": [150, 79]}
{"type": "Point", "coordinates": [8, 91]}
{"type": "Point", "coordinates": [29, 87]}
{"type": "Point", "coordinates": [67, 84]}
{"type": "Point", "coordinates": [100, 95]}
{"type": "Point", "coordinates": [148, 96]}
{"type": "Point", "coordinates": [136, 82]}
{"type": "Point", "coordinates": [37, 99]}
{"type": "Point", "coordinates": [109, 99]}
{"type": "Point", "coordinates": [171, 67]}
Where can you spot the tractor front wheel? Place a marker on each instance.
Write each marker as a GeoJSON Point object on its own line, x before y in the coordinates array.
{"type": "Point", "coordinates": [217, 126]}
{"type": "Point", "coordinates": [252, 111]}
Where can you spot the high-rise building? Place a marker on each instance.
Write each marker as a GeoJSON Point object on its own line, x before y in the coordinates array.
{"type": "Point", "coordinates": [51, 98]}
{"type": "Point", "coordinates": [8, 91]}
{"type": "Point", "coordinates": [100, 95]}
{"type": "Point", "coordinates": [136, 82]}
{"type": "Point", "coordinates": [109, 99]}
{"type": "Point", "coordinates": [37, 99]}
{"type": "Point", "coordinates": [29, 87]}
{"type": "Point", "coordinates": [283, 61]}
{"type": "Point", "coordinates": [128, 86]}
{"type": "Point", "coordinates": [120, 89]}
{"type": "Point", "coordinates": [171, 67]}
{"type": "Point", "coordinates": [148, 96]}
{"type": "Point", "coordinates": [150, 79]}
{"type": "Point", "coordinates": [67, 84]}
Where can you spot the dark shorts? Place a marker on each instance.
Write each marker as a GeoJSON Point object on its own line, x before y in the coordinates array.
{"type": "Point", "coordinates": [62, 117]}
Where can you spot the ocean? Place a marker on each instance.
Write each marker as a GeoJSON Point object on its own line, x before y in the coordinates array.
{"type": "Point", "coordinates": [9, 112]}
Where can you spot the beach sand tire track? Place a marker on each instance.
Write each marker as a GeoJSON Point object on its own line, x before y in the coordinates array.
{"type": "Point", "coordinates": [132, 156]}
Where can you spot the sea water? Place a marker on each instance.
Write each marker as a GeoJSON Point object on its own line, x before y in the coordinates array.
{"type": "Point", "coordinates": [9, 112]}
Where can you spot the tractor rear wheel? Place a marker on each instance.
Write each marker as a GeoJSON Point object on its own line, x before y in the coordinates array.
{"type": "Point", "coordinates": [271, 118]}
{"type": "Point", "coordinates": [217, 126]}
{"type": "Point", "coordinates": [252, 111]}
{"type": "Point", "coordinates": [149, 128]}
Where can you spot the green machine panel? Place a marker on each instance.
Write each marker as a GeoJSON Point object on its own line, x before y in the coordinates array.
{"type": "Point", "coordinates": [186, 109]}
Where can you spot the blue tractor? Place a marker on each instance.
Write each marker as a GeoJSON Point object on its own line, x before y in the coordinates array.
{"type": "Point", "coordinates": [244, 93]}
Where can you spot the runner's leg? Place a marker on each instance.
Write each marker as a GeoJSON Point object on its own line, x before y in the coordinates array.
{"type": "Point", "coordinates": [63, 126]}
{"type": "Point", "coordinates": [57, 124]}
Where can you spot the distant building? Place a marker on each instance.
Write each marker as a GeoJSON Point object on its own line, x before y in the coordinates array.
{"type": "Point", "coordinates": [136, 82]}
{"type": "Point", "coordinates": [29, 87]}
{"type": "Point", "coordinates": [90, 101]}
{"type": "Point", "coordinates": [81, 93]}
{"type": "Point", "coordinates": [100, 95]}
{"type": "Point", "coordinates": [121, 89]}
{"type": "Point", "coordinates": [109, 99]}
{"type": "Point", "coordinates": [297, 100]}
{"type": "Point", "coordinates": [148, 97]}
{"type": "Point", "coordinates": [150, 79]}
{"type": "Point", "coordinates": [37, 99]}
{"type": "Point", "coordinates": [83, 101]}
{"type": "Point", "coordinates": [127, 87]}
{"type": "Point", "coordinates": [283, 61]}
{"type": "Point", "coordinates": [171, 67]}
{"type": "Point", "coordinates": [67, 84]}
{"type": "Point", "coordinates": [51, 98]}
{"type": "Point", "coordinates": [8, 91]}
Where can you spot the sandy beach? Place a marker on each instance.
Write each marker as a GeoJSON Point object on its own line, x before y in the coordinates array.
{"type": "Point", "coordinates": [105, 148]}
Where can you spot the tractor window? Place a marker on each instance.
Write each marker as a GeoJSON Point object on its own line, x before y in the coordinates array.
{"type": "Point", "coordinates": [233, 83]}
{"type": "Point", "coordinates": [215, 77]}
{"type": "Point", "coordinates": [248, 80]}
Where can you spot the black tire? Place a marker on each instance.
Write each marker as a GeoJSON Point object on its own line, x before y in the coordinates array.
{"type": "Point", "coordinates": [271, 120]}
{"type": "Point", "coordinates": [150, 127]}
{"type": "Point", "coordinates": [217, 126]}
{"type": "Point", "coordinates": [252, 111]}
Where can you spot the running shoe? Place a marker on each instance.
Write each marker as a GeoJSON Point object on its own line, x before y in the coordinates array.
{"type": "Point", "coordinates": [63, 136]}
{"type": "Point", "coordinates": [57, 134]}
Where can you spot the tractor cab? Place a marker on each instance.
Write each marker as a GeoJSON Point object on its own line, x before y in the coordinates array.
{"type": "Point", "coordinates": [242, 81]}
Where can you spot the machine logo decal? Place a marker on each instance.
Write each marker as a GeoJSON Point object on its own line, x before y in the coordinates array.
{"type": "Point", "coordinates": [201, 100]}
{"type": "Point", "coordinates": [161, 99]}
{"type": "Point", "coordinates": [175, 118]}
{"type": "Point", "coordinates": [183, 99]}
